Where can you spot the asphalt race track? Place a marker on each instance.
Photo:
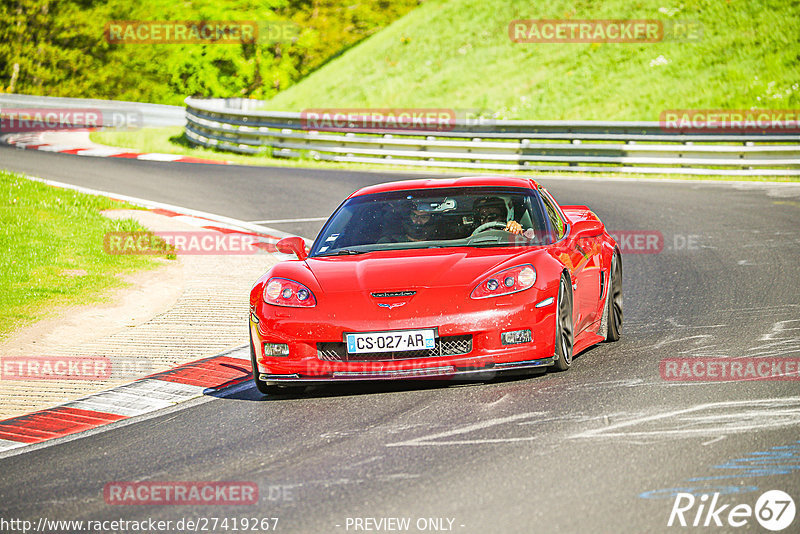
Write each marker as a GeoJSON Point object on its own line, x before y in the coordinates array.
{"type": "Point", "coordinates": [603, 447]}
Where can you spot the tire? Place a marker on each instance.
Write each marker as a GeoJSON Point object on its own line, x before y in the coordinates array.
{"type": "Point", "coordinates": [613, 306]}
{"type": "Point", "coordinates": [262, 386]}
{"type": "Point", "coordinates": [564, 327]}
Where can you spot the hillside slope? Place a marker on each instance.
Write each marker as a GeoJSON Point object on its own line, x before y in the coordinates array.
{"type": "Point", "coordinates": [458, 54]}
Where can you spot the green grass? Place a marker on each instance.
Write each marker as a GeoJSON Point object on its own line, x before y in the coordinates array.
{"type": "Point", "coordinates": [48, 238]}
{"type": "Point", "coordinates": [457, 54]}
{"type": "Point", "coordinates": [172, 141]}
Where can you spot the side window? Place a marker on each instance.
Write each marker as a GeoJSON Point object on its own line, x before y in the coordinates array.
{"type": "Point", "coordinates": [552, 213]}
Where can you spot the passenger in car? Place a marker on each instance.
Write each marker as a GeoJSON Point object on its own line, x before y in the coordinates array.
{"type": "Point", "coordinates": [417, 225]}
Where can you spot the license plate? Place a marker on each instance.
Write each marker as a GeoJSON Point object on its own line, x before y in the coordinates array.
{"type": "Point", "coordinates": [390, 341]}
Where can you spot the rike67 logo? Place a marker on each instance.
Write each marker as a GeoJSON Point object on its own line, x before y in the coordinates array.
{"type": "Point", "coordinates": [774, 510]}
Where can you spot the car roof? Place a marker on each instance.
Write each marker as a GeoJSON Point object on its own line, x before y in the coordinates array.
{"type": "Point", "coordinates": [431, 183]}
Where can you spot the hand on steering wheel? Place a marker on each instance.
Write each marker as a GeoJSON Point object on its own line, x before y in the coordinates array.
{"type": "Point", "coordinates": [497, 225]}
{"type": "Point", "coordinates": [514, 227]}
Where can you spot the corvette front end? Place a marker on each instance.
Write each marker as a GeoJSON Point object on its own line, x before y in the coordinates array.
{"type": "Point", "coordinates": [477, 335]}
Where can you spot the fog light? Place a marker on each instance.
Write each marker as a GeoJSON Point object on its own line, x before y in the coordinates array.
{"type": "Point", "coordinates": [515, 337]}
{"type": "Point", "coordinates": [276, 349]}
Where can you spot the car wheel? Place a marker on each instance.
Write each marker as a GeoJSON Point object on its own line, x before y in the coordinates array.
{"type": "Point", "coordinates": [564, 333]}
{"type": "Point", "coordinates": [614, 300]}
{"type": "Point", "coordinates": [262, 386]}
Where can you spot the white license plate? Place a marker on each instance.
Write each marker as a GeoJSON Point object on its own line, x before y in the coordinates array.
{"type": "Point", "coordinates": [390, 341]}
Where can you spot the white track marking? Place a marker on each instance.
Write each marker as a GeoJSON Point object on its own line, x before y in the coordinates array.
{"type": "Point", "coordinates": [6, 445]}
{"type": "Point", "coordinates": [428, 440]}
{"type": "Point", "coordinates": [364, 462]}
{"type": "Point", "coordinates": [58, 148]}
{"type": "Point", "coordinates": [101, 152]}
{"type": "Point", "coordinates": [779, 328]}
{"type": "Point", "coordinates": [276, 221]}
{"type": "Point", "coordinates": [162, 389]}
{"type": "Point", "coordinates": [243, 353]}
{"type": "Point", "coordinates": [140, 397]}
{"type": "Point", "coordinates": [709, 442]}
{"type": "Point", "coordinates": [762, 413]}
{"type": "Point", "coordinates": [117, 403]}
{"type": "Point", "coordinates": [160, 157]}
{"type": "Point", "coordinates": [105, 428]}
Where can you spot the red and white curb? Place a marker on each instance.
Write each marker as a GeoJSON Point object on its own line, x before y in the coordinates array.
{"type": "Point", "coordinates": [265, 237]}
{"type": "Point", "coordinates": [263, 241]}
{"type": "Point", "coordinates": [149, 394]}
{"type": "Point", "coordinates": [155, 392]}
{"type": "Point", "coordinates": [34, 141]}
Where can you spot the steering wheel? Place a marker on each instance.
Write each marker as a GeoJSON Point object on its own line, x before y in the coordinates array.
{"type": "Point", "coordinates": [489, 226]}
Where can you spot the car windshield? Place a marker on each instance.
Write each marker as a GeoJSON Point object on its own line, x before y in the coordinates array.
{"type": "Point", "coordinates": [435, 218]}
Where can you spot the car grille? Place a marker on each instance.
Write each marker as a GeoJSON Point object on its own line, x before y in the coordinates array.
{"type": "Point", "coordinates": [445, 346]}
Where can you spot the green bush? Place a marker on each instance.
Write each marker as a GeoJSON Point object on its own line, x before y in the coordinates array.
{"type": "Point", "coordinates": [59, 48]}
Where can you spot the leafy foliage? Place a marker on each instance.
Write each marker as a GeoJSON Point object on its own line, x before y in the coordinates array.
{"type": "Point", "coordinates": [59, 47]}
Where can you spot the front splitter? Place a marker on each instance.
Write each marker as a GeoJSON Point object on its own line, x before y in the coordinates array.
{"type": "Point", "coordinates": [446, 372]}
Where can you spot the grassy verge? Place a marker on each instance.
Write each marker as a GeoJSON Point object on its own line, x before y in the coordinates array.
{"type": "Point", "coordinates": [172, 141]}
{"type": "Point", "coordinates": [51, 250]}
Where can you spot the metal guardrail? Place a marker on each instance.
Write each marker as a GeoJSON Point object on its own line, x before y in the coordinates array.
{"type": "Point", "coordinates": [585, 146]}
{"type": "Point", "coordinates": [151, 115]}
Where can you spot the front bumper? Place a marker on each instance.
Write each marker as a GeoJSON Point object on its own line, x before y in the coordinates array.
{"type": "Point", "coordinates": [305, 332]}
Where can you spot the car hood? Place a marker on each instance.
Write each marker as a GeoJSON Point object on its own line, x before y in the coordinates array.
{"type": "Point", "coordinates": [413, 269]}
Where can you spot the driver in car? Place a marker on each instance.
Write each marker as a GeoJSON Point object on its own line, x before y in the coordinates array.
{"type": "Point", "coordinates": [493, 210]}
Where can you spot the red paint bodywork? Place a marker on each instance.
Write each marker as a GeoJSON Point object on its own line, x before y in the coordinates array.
{"type": "Point", "coordinates": [443, 279]}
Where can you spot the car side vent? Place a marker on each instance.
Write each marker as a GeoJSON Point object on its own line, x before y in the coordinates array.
{"type": "Point", "coordinates": [602, 282]}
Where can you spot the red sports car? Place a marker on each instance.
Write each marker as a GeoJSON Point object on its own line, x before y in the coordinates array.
{"type": "Point", "coordinates": [437, 279]}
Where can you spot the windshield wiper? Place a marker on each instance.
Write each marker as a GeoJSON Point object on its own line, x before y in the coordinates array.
{"type": "Point", "coordinates": [343, 252]}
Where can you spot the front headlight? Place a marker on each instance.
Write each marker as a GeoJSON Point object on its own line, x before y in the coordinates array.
{"type": "Point", "coordinates": [285, 292]}
{"type": "Point", "coordinates": [505, 282]}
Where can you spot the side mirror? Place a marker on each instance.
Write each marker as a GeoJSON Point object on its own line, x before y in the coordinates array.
{"type": "Point", "coordinates": [586, 228]}
{"type": "Point", "coordinates": [292, 245]}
